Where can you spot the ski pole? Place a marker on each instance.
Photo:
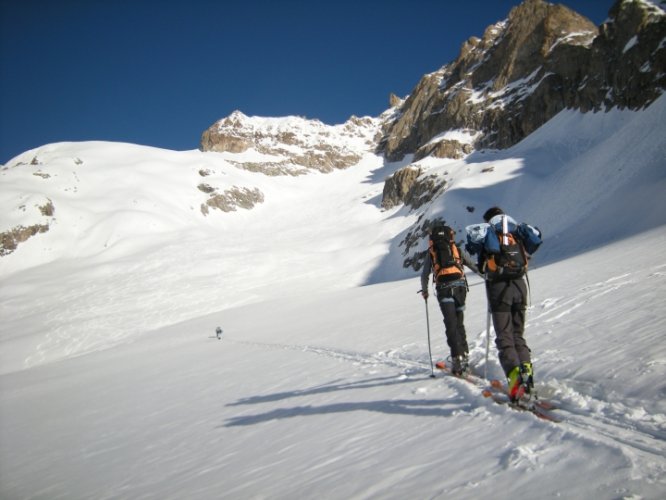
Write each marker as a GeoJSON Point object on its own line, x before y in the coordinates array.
{"type": "Point", "coordinates": [432, 369]}
{"type": "Point", "coordinates": [485, 367]}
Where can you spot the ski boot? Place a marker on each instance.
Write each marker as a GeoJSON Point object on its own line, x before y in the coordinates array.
{"type": "Point", "coordinates": [460, 365]}
{"type": "Point", "coordinates": [521, 382]}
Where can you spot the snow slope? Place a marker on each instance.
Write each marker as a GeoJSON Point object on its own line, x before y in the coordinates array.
{"type": "Point", "coordinates": [113, 384]}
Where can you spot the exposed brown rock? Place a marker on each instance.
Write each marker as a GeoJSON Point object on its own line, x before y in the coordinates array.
{"type": "Point", "coordinates": [544, 58]}
{"type": "Point", "coordinates": [9, 240]}
{"type": "Point", "coordinates": [398, 185]}
{"type": "Point", "coordinates": [233, 198]}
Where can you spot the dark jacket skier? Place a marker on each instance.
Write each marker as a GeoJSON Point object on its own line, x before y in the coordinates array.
{"type": "Point", "coordinates": [451, 295]}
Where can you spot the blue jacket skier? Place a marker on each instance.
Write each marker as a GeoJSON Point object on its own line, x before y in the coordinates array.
{"type": "Point", "coordinates": [503, 258]}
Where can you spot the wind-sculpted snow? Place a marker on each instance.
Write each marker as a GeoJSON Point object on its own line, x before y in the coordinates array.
{"type": "Point", "coordinates": [298, 397]}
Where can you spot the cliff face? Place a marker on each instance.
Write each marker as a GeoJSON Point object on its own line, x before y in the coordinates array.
{"type": "Point", "coordinates": [524, 70]}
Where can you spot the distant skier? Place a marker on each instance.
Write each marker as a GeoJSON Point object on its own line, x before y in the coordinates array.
{"type": "Point", "coordinates": [504, 248]}
{"type": "Point", "coordinates": [445, 260]}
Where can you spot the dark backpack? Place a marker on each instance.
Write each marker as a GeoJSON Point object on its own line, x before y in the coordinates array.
{"type": "Point", "coordinates": [510, 262]}
{"type": "Point", "coordinates": [446, 261]}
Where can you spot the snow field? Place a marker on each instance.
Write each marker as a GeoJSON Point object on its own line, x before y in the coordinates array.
{"type": "Point", "coordinates": [113, 384]}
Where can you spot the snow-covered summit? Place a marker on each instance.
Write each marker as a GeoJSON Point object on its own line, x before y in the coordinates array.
{"type": "Point", "coordinates": [293, 145]}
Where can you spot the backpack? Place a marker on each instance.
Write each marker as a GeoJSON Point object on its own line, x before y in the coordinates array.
{"type": "Point", "coordinates": [445, 256]}
{"type": "Point", "coordinates": [476, 237]}
{"type": "Point", "coordinates": [506, 256]}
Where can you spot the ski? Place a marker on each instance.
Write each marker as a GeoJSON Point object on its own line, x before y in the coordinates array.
{"type": "Point", "coordinates": [539, 407]}
{"type": "Point", "coordinates": [531, 405]}
{"type": "Point", "coordinates": [496, 390]}
{"type": "Point", "coordinates": [469, 376]}
{"type": "Point", "coordinates": [544, 404]}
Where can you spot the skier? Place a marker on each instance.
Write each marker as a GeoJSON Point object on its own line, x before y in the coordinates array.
{"type": "Point", "coordinates": [445, 259]}
{"type": "Point", "coordinates": [503, 258]}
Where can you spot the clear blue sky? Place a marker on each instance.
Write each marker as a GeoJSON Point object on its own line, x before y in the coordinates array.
{"type": "Point", "coordinates": [159, 72]}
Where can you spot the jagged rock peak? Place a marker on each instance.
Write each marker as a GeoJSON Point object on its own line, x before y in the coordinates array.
{"type": "Point", "coordinates": [460, 95]}
{"type": "Point", "coordinates": [394, 100]}
{"type": "Point", "coordinates": [525, 69]}
{"type": "Point", "coordinates": [533, 30]}
{"type": "Point", "coordinates": [650, 10]}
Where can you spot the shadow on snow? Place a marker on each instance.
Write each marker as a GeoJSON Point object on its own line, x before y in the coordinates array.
{"type": "Point", "coordinates": [411, 407]}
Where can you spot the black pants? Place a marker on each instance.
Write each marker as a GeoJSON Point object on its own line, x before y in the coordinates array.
{"type": "Point", "coordinates": [508, 305]}
{"type": "Point", "coordinates": [452, 303]}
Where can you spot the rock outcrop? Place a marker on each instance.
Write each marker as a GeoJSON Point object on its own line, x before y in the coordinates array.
{"type": "Point", "coordinates": [398, 185]}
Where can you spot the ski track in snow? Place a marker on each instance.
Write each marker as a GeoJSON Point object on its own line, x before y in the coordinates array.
{"type": "Point", "coordinates": [562, 307]}
{"type": "Point", "coordinates": [639, 436]}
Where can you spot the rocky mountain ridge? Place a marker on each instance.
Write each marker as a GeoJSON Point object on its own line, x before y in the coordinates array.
{"type": "Point", "coordinates": [542, 59]}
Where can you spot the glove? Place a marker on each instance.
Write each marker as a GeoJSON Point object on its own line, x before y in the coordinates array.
{"type": "Point", "coordinates": [424, 294]}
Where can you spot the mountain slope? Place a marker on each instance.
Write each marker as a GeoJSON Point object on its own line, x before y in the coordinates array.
{"type": "Point", "coordinates": [586, 179]}
{"type": "Point", "coordinates": [330, 396]}
{"type": "Point", "coordinates": [131, 216]}
{"type": "Point", "coordinates": [118, 262]}
{"type": "Point", "coordinates": [113, 383]}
